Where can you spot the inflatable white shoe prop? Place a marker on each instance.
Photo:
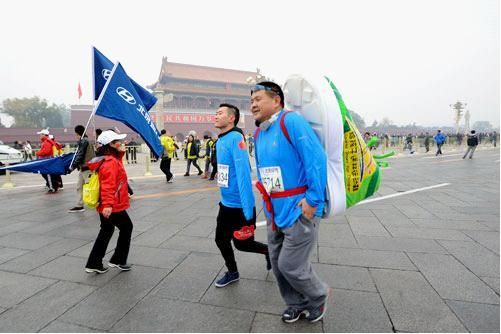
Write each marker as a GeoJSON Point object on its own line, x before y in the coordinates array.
{"type": "Point", "coordinates": [352, 173]}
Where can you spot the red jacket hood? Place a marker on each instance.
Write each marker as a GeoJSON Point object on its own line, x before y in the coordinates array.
{"type": "Point", "coordinates": [95, 162]}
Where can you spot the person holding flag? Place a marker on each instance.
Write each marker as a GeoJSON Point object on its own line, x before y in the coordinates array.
{"type": "Point", "coordinates": [57, 151]}
{"type": "Point", "coordinates": [292, 173]}
{"type": "Point", "coordinates": [114, 201]}
{"type": "Point", "coordinates": [236, 219]}
{"type": "Point", "coordinates": [46, 152]}
{"type": "Point", "coordinates": [84, 153]}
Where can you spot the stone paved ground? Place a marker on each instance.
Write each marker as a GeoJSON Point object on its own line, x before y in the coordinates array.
{"type": "Point", "coordinates": [424, 261]}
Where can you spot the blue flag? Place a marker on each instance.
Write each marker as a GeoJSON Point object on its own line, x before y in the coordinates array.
{"type": "Point", "coordinates": [55, 166]}
{"type": "Point", "coordinates": [102, 71]}
{"type": "Point", "coordinates": [120, 101]}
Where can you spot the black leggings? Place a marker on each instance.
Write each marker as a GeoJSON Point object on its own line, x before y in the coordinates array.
{"type": "Point", "coordinates": [228, 221]}
{"type": "Point", "coordinates": [194, 162]}
{"type": "Point", "coordinates": [165, 167]}
{"type": "Point", "coordinates": [214, 170]}
{"type": "Point", "coordinates": [122, 221]}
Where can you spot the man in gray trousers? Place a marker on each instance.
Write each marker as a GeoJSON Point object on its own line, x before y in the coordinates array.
{"type": "Point", "coordinates": [472, 142]}
{"type": "Point", "coordinates": [84, 153]}
{"type": "Point", "coordinates": [292, 173]}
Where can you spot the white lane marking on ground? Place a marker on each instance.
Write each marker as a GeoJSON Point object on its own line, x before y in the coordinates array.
{"type": "Point", "coordinates": [68, 183]}
{"type": "Point", "coordinates": [496, 161]}
{"type": "Point", "coordinates": [33, 186]}
{"type": "Point", "coordinates": [402, 193]}
{"type": "Point", "coordinates": [263, 223]}
{"type": "Point", "coordinates": [442, 156]}
{"type": "Point", "coordinates": [444, 161]}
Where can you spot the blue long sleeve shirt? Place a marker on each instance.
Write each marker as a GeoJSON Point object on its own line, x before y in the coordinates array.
{"type": "Point", "coordinates": [234, 173]}
{"type": "Point", "coordinates": [284, 166]}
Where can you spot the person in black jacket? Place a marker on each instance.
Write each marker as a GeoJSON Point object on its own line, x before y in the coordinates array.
{"type": "Point", "coordinates": [192, 150]}
{"type": "Point", "coordinates": [472, 142]}
{"type": "Point", "coordinates": [84, 153]}
{"type": "Point", "coordinates": [213, 160]}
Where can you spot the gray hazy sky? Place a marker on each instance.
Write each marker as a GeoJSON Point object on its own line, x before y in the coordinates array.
{"type": "Point", "coordinates": [402, 59]}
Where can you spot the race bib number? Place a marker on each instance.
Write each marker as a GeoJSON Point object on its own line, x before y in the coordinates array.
{"type": "Point", "coordinates": [272, 179]}
{"type": "Point", "coordinates": [223, 174]}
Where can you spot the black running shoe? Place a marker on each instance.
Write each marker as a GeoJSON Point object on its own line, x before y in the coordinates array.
{"type": "Point", "coordinates": [292, 314]}
{"type": "Point", "coordinates": [77, 209]}
{"type": "Point", "coordinates": [122, 267]}
{"type": "Point", "coordinates": [98, 270]}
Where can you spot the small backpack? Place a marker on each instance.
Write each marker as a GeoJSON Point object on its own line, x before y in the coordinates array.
{"type": "Point", "coordinates": [90, 191]}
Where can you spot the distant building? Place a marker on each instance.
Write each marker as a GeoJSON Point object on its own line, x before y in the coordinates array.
{"type": "Point", "coordinates": [189, 95]}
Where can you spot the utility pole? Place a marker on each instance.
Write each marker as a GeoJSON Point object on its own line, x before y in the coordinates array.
{"type": "Point", "coordinates": [458, 108]}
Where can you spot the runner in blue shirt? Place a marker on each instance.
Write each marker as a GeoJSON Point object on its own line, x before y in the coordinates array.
{"type": "Point", "coordinates": [292, 173]}
{"type": "Point", "coordinates": [237, 213]}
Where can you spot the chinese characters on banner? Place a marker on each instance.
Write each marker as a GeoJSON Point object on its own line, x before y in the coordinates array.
{"type": "Point", "coordinates": [188, 118]}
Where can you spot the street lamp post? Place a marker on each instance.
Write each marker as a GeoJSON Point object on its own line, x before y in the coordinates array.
{"type": "Point", "coordinates": [467, 122]}
{"type": "Point", "coordinates": [458, 108]}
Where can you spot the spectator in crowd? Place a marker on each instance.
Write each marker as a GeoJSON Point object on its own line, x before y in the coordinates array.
{"type": "Point", "coordinates": [46, 152]}
{"type": "Point", "coordinates": [84, 153]}
{"type": "Point", "coordinates": [192, 150]}
{"type": "Point", "coordinates": [28, 151]}
{"type": "Point", "coordinates": [169, 148]}
{"type": "Point", "coordinates": [472, 142]}
{"type": "Point", "coordinates": [208, 146]}
{"type": "Point", "coordinates": [408, 143]}
{"type": "Point", "coordinates": [440, 140]}
{"type": "Point", "coordinates": [427, 142]}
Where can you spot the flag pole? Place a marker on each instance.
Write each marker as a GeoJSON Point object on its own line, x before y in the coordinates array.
{"type": "Point", "coordinates": [83, 134]}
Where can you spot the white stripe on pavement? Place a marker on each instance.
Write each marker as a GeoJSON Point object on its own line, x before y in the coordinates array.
{"type": "Point", "coordinates": [444, 161]}
{"type": "Point", "coordinates": [443, 156]}
{"type": "Point", "coordinates": [402, 193]}
{"type": "Point", "coordinates": [263, 223]}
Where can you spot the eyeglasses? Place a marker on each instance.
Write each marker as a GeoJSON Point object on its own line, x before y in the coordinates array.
{"type": "Point", "coordinates": [262, 87]}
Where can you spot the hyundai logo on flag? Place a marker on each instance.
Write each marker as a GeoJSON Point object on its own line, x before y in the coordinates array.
{"type": "Point", "coordinates": [126, 95]}
{"type": "Point", "coordinates": [106, 73]}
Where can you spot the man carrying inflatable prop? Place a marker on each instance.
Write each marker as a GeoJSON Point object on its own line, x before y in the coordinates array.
{"type": "Point", "coordinates": [353, 173]}
{"type": "Point", "coordinates": [318, 173]}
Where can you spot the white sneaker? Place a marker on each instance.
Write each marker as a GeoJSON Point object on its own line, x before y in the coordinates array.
{"type": "Point", "coordinates": [171, 179]}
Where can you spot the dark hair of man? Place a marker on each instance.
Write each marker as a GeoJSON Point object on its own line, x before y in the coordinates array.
{"type": "Point", "coordinates": [234, 110]}
{"type": "Point", "coordinates": [275, 90]}
{"type": "Point", "coordinates": [98, 132]}
{"type": "Point", "coordinates": [163, 132]}
{"type": "Point", "coordinates": [79, 130]}
{"type": "Point", "coordinates": [472, 132]}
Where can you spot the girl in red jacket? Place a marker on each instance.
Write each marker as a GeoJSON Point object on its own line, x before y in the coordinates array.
{"type": "Point", "coordinates": [113, 202]}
